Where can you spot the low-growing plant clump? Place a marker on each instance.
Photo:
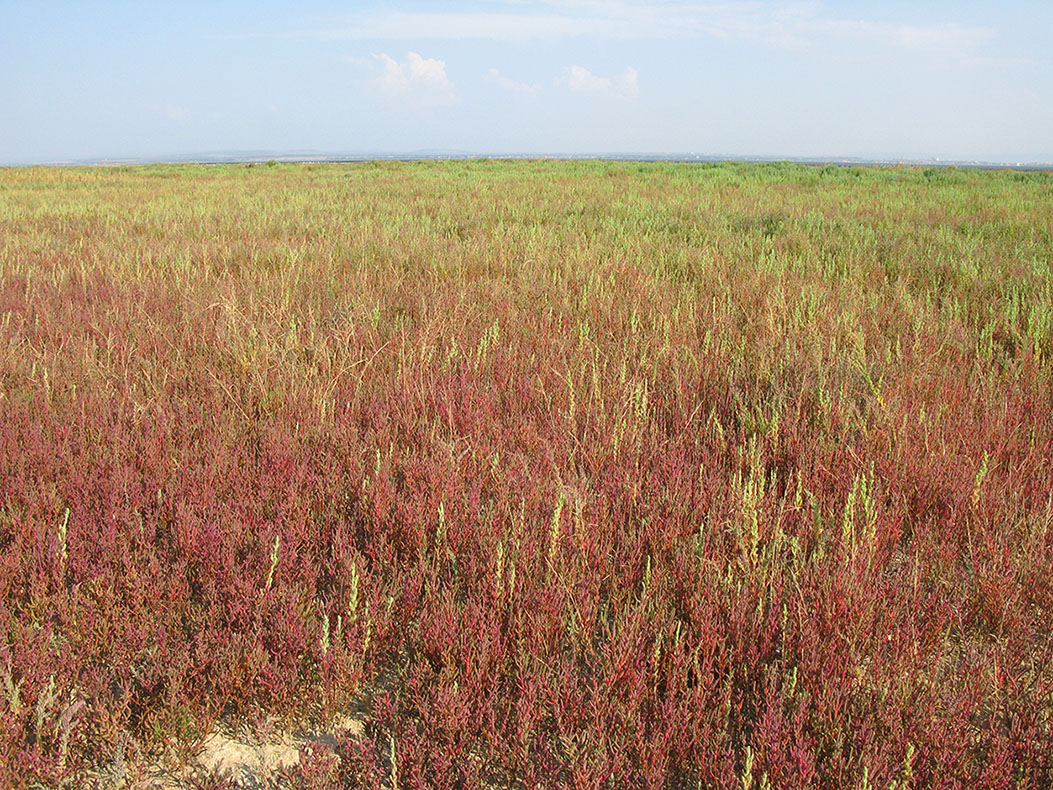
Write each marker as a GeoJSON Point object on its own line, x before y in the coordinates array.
{"type": "Point", "coordinates": [568, 474]}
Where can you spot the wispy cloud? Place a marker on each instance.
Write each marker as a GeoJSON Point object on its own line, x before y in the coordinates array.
{"type": "Point", "coordinates": [498, 78]}
{"type": "Point", "coordinates": [946, 38]}
{"type": "Point", "coordinates": [780, 23]}
{"type": "Point", "coordinates": [624, 86]}
{"type": "Point", "coordinates": [403, 25]}
{"type": "Point", "coordinates": [420, 81]}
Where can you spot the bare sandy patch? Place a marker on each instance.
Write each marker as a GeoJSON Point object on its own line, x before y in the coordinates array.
{"type": "Point", "coordinates": [250, 760]}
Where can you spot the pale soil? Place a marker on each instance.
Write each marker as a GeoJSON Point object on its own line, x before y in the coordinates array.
{"type": "Point", "coordinates": [250, 760]}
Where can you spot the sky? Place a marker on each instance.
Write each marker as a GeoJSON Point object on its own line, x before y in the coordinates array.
{"type": "Point", "coordinates": [955, 79]}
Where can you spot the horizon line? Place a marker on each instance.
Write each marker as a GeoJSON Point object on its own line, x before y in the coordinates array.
{"type": "Point", "coordinates": [309, 156]}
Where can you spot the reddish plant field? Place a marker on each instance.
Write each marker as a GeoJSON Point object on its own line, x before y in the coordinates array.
{"type": "Point", "coordinates": [568, 474]}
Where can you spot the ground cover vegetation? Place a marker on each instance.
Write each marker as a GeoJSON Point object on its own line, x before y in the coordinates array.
{"type": "Point", "coordinates": [569, 474]}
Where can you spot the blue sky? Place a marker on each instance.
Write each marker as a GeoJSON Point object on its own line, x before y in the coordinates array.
{"type": "Point", "coordinates": [152, 79]}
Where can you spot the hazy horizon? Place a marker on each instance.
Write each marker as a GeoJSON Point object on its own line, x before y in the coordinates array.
{"type": "Point", "coordinates": [102, 81]}
{"type": "Point", "coordinates": [334, 157]}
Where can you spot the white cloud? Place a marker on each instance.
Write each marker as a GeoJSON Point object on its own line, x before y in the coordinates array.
{"type": "Point", "coordinates": [583, 80]}
{"type": "Point", "coordinates": [511, 85]}
{"type": "Point", "coordinates": [419, 80]}
{"type": "Point", "coordinates": [625, 86]}
{"type": "Point", "coordinates": [628, 83]}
